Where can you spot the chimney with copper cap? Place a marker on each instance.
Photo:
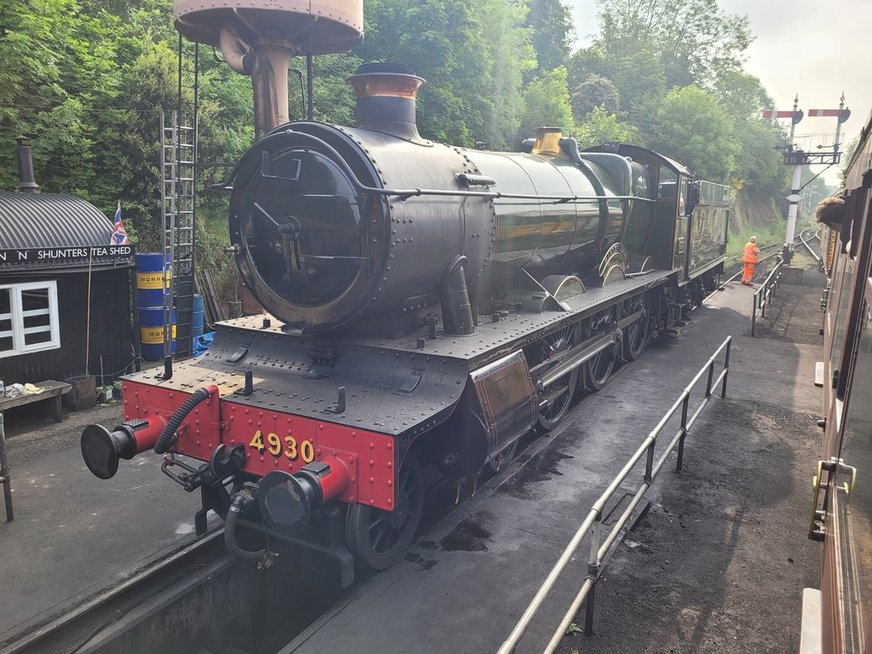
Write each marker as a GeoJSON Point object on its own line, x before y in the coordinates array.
{"type": "Point", "coordinates": [27, 183]}
{"type": "Point", "coordinates": [386, 98]}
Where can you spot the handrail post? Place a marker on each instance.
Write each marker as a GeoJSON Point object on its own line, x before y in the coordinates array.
{"type": "Point", "coordinates": [726, 368]}
{"type": "Point", "coordinates": [753, 315]}
{"type": "Point", "coordinates": [593, 565]}
{"type": "Point", "coordinates": [588, 611]}
{"type": "Point", "coordinates": [684, 406]}
{"type": "Point", "coordinates": [649, 462]}
{"type": "Point", "coordinates": [711, 376]}
{"type": "Point", "coordinates": [5, 475]}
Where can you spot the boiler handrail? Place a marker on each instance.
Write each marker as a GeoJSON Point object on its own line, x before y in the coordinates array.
{"type": "Point", "coordinates": [403, 194]}
{"type": "Point", "coordinates": [593, 521]}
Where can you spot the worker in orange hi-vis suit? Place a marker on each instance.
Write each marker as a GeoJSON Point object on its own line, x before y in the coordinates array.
{"type": "Point", "coordinates": [750, 257]}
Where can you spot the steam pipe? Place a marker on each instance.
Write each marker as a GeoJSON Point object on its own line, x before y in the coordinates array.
{"type": "Point", "coordinates": [269, 80]}
{"type": "Point", "coordinates": [233, 48]}
{"type": "Point", "coordinates": [267, 64]}
{"type": "Point", "coordinates": [237, 506]}
{"type": "Point", "coordinates": [454, 298]}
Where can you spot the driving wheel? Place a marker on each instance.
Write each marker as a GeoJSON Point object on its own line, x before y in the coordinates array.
{"type": "Point", "coordinates": [379, 538]}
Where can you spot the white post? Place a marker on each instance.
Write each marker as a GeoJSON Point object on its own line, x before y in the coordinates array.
{"type": "Point", "coordinates": [791, 213]}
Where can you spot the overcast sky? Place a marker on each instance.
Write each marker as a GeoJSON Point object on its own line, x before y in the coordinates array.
{"type": "Point", "coordinates": [816, 48]}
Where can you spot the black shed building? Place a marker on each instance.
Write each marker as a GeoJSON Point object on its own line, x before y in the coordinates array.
{"type": "Point", "coordinates": [64, 290]}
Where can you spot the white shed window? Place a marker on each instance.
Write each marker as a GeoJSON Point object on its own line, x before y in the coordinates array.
{"type": "Point", "coordinates": [28, 318]}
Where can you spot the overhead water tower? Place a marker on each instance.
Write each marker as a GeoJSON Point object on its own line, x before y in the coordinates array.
{"type": "Point", "coordinates": [259, 37]}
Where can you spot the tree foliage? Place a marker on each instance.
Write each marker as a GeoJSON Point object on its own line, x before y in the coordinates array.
{"type": "Point", "coordinates": [669, 55]}
{"type": "Point", "coordinates": [601, 126]}
{"type": "Point", "coordinates": [690, 126]}
{"type": "Point", "coordinates": [87, 80]}
{"type": "Point", "coordinates": [759, 163]}
{"type": "Point", "coordinates": [546, 103]}
{"type": "Point", "coordinates": [552, 31]}
{"type": "Point", "coordinates": [693, 39]}
{"type": "Point", "coordinates": [473, 55]}
{"type": "Point", "coordinates": [595, 91]}
{"type": "Point", "coordinates": [636, 73]}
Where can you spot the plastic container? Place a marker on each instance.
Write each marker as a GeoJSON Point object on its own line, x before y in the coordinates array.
{"type": "Point", "coordinates": [197, 320]}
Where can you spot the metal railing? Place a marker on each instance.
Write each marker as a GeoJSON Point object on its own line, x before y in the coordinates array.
{"type": "Point", "coordinates": [601, 549]}
{"type": "Point", "coordinates": [5, 475]}
{"type": "Point", "coordinates": [764, 294]}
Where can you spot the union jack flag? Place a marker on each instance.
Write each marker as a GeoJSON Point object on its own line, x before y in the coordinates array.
{"type": "Point", "coordinates": [119, 234]}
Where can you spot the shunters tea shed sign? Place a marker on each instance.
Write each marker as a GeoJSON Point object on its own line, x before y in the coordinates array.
{"type": "Point", "coordinates": [72, 254]}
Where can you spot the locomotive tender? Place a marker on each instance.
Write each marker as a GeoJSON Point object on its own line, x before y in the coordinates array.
{"type": "Point", "coordinates": [429, 305]}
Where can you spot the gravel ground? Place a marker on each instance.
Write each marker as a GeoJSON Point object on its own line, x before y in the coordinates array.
{"type": "Point", "coordinates": [719, 561]}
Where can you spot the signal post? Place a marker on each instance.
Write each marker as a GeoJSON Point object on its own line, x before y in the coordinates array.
{"type": "Point", "coordinates": [797, 158]}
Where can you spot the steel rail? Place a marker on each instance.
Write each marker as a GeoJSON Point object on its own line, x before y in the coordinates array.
{"type": "Point", "coordinates": [592, 523]}
{"type": "Point", "coordinates": [802, 240]}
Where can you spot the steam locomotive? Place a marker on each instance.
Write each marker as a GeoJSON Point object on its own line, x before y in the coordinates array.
{"type": "Point", "coordinates": [429, 305]}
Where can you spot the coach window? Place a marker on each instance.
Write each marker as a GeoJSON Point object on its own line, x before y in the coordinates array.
{"type": "Point", "coordinates": [28, 318]}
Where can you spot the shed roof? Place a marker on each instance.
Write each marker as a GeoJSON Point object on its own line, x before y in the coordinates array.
{"type": "Point", "coordinates": [41, 220]}
{"type": "Point", "coordinates": [58, 231]}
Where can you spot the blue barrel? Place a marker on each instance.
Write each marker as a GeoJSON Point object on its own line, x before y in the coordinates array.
{"type": "Point", "coordinates": [151, 332]}
{"type": "Point", "coordinates": [197, 320]}
{"type": "Point", "coordinates": [150, 284]}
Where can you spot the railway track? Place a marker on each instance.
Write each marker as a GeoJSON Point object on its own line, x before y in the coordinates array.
{"type": "Point", "coordinates": [199, 599]}
{"type": "Point", "coordinates": [144, 598]}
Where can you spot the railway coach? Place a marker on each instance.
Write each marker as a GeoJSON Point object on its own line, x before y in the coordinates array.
{"type": "Point", "coordinates": [836, 617]}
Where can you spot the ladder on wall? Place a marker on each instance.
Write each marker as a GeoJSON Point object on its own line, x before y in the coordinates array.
{"type": "Point", "coordinates": [168, 219]}
{"type": "Point", "coordinates": [178, 203]}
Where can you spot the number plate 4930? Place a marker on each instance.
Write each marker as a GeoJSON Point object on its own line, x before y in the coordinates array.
{"type": "Point", "coordinates": [287, 446]}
